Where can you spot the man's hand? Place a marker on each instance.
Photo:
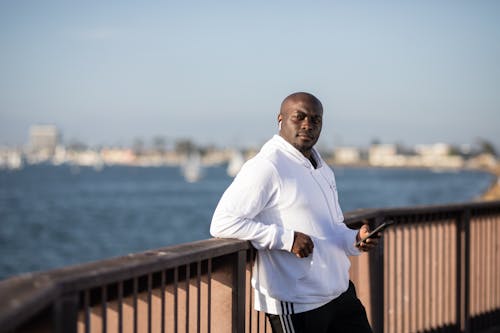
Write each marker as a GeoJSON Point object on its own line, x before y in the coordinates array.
{"type": "Point", "coordinates": [302, 245]}
{"type": "Point", "coordinates": [368, 244]}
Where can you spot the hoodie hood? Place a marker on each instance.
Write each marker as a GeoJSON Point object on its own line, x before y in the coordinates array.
{"type": "Point", "coordinates": [278, 142]}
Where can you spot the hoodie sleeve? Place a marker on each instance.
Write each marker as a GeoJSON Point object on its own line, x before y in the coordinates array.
{"type": "Point", "coordinates": [349, 239]}
{"type": "Point", "coordinates": [348, 235]}
{"type": "Point", "coordinates": [255, 188]}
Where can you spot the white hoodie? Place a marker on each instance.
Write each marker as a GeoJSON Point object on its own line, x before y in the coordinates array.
{"type": "Point", "coordinates": [276, 193]}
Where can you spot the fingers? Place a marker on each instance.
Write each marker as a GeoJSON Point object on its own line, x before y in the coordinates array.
{"type": "Point", "coordinates": [369, 244]}
{"type": "Point", "coordinates": [302, 245]}
{"type": "Point", "coordinates": [365, 229]}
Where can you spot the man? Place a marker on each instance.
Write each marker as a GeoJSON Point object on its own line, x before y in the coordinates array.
{"type": "Point", "coordinates": [284, 200]}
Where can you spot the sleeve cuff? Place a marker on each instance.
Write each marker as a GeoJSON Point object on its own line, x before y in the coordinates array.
{"type": "Point", "coordinates": [287, 240]}
{"type": "Point", "coordinates": [351, 245]}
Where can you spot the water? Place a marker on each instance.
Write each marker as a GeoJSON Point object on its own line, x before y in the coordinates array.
{"type": "Point", "coordinates": [56, 216]}
{"type": "Point", "coordinates": [376, 187]}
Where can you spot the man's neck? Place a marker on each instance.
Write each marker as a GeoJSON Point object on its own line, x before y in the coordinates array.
{"type": "Point", "coordinates": [310, 156]}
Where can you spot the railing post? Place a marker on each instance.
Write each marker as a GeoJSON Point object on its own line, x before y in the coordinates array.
{"type": "Point", "coordinates": [65, 313]}
{"type": "Point", "coordinates": [463, 271]}
{"type": "Point", "coordinates": [239, 279]}
{"type": "Point", "coordinates": [376, 259]}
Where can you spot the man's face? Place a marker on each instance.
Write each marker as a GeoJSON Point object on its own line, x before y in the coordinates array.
{"type": "Point", "coordinates": [301, 122]}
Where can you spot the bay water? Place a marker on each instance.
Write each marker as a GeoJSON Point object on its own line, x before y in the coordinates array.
{"type": "Point", "coordinates": [53, 216]}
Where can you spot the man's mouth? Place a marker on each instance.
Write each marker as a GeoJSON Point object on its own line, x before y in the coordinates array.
{"type": "Point", "coordinates": [305, 136]}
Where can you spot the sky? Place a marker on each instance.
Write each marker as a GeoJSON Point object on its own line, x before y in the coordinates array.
{"type": "Point", "coordinates": [111, 72]}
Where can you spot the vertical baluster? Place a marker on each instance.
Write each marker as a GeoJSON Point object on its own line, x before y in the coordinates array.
{"type": "Point", "coordinates": [209, 293]}
{"type": "Point", "coordinates": [476, 264]}
{"type": "Point", "coordinates": [441, 288]}
{"type": "Point", "coordinates": [120, 307]}
{"type": "Point", "coordinates": [453, 270]}
{"type": "Point", "coordinates": [486, 270]}
{"type": "Point", "coordinates": [479, 281]}
{"type": "Point", "coordinates": [445, 240]}
{"type": "Point", "coordinates": [150, 282]}
{"type": "Point", "coordinates": [484, 281]}
{"type": "Point", "coordinates": [104, 305]}
{"type": "Point", "coordinates": [425, 269]}
{"type": "Point", "coordinates": [198, 296]}
{"type": "Point", "coordinates": [388, 280]}
{"type": "Point", "coordinates": [496, 223]}
{"type": "Point", "coordinates": [408, 243]}
{"type": "Point", "coordinates": [163, 301]}
{"type": "Point", "coordinates": [480, 277]}
{"type": "Point", "coordinates": [405, 283]}
{"type": "Point", "coordinates": [421, 275]}
{"type": "Point", "coordinates": [450, 248]}
{"type": "Point", "coordinates": [413, 275]}
{"type": "Point", "coordinates": [239, 296]}
{"type": "Point", "coordinates": [86, 304]}
{"type": "Point", "coordinates": [459, 267]}
{"type": "Point", "coordinates": [188, 276]}
{"type": "Point", "coordinates": [135, 291]}
{"type": "Point", "coordinates": [258, 323]}
{"type": "Point", "coordinates": [250, 294]}
{"type": "Point", "coordinates": [495, 276]}
{"type": "Point", "coordinates": [391, 270]}
{"type": "Point", "coordinates": [488, 267]}
{"type": "Point", "coordinates": [433, 271]}
{"type": "Point", "coordinates": [400, 278]}
{"type": "Point", "coordinates": [65, 313]}
{"type": "Point", "coordinates": [466, 216]}
{"type": "Point", "coordinates": [176, 299]}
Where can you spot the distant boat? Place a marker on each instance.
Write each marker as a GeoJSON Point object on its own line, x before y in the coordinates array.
{"type": "Point", "coordinates": [192, 169]}
{"type": "Point", "coordinates": [11, 161]}
{"type": "Point", "coordinates": [235, 164]}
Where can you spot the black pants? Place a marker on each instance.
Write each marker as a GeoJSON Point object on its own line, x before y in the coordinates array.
{"type": "Point", "coordinates": [343, 314]}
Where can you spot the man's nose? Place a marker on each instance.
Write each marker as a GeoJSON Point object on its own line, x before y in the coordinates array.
{"type": "Point", "coordinates": [307, 124]}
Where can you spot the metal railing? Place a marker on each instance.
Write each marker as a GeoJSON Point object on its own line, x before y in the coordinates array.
{"type": "Point", "coordinates": [437, 269]}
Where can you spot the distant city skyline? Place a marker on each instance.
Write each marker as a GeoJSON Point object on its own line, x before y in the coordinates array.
{"type": "Point", "coordinates": [154, 142]}
{"type": "Point", "coordinates": [109, 73]}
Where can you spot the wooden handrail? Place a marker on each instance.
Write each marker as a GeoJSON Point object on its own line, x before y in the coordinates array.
{"type": "Point", "coordinates": [224, 263]}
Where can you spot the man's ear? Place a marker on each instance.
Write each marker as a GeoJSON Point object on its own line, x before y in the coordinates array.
{"type": "Point", "coordinates": [280, 118]}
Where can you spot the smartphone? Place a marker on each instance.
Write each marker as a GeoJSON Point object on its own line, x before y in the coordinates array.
{"type": "Point", "coordinates": [375, 231]}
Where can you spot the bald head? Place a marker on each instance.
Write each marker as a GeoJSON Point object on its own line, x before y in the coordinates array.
{"type": "Point", "coordinates": [300, 97]}
{"type": "Point", "coordinates": [301, 119]}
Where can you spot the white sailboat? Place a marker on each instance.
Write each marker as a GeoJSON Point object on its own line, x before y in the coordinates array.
{"type": "Point", "coordinates": [192, 169]}
{"type": "Point", "coordinates": [235, 163]}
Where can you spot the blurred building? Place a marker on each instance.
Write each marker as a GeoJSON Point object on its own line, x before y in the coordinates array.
{"type": "Point", "coordinates": [43, 141]}
{"type": "Point", "coordinates": [347, 155]}
{"type": "Point", "coordinates": [384, 155]}
{"type": "Point", "coordinates": [439, 155]}
{"type": "Point", "coordinates": [10, 159]}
